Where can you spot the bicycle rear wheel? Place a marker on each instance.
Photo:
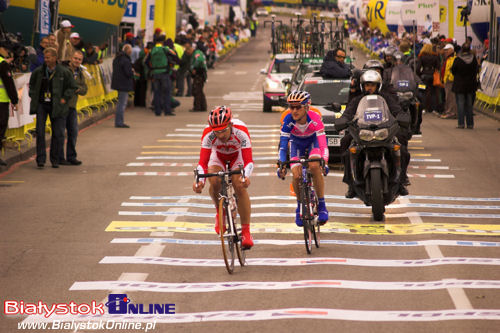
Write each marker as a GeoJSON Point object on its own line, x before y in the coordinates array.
{"type": "Point", "coordinates": [227, 240]}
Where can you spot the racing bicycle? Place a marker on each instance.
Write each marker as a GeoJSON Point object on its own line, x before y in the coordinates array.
{"type": "Point", "coordinates": [229, 225]}
{"type": "Point", "coordinates": [308, 201]}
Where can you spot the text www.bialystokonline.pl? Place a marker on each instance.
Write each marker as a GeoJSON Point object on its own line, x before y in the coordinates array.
{"type": "Point", "coordinates": [88, 325]}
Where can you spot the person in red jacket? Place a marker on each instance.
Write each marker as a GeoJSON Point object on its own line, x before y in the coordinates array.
{"type": "Point", "coordinates": [227, 139]}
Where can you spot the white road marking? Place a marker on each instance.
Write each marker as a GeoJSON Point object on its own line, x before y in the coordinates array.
{"type": "Point", "coordinates": [457, 295]}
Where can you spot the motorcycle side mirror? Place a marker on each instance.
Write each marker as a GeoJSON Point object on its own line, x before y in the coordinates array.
{"type": "Point", "coordinates": [336, 107]}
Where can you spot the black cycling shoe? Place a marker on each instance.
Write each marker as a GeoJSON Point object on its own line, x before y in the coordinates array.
{"type": "Point", "coordinates": [403, 191]}
{"type": "Point", "coordinates": [350, 193]}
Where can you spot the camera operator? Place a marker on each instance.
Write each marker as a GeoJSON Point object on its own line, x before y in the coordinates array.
{"type": "Point", "coordinates": [8, 91]}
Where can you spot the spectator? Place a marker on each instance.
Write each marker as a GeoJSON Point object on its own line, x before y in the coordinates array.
{"type": "Point", "coordinates": [91, 56]}
{"type": "Point", "coordinates": [183, 74]}
{"type": "Point", "coordinates": [51, 87]}
{"type": "Point", "coordinates": [103, 52]}
{"type": "Point", "coordinates": [76, 42]}
{"type": "Point", "coordinates": [122, 80]}
{"type": "Point", "coordinates": [71, 122]}
{"type": "Point", "coordinates": [450, 104]}
{"type": "Point", "coordinates": [199, 73]}
{"type": "Point", "coordinates": [333, 65]}
{"type": "Point", "coordinates": [8, 92]}
{"type": "Point", "coordinates": [159, 64]}
{"type": "Point", "coordinates": [62, 39]}
{"type": "Point", "coordinates": [53, 41]}
{"type": "Point", "coordinates": [156, 35]}
{"type": "Point", "coordinates": [129, 39]}
{"type": "Point", "coordinates": [464, 70]}
{"type": "Point", "coordinates": [44, 43]}
{"type": "Point", "coordinates": [22, 62]}
{"type": "Point", "coordinates": [427, 64]}
{"type": "Point", "coordinates": [139, 40]}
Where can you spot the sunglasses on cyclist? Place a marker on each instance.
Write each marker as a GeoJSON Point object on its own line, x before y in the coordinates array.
{"type": "Point", "coordinates": [222, 130]}
{"type": "Point", "coordinates": [295, 106]}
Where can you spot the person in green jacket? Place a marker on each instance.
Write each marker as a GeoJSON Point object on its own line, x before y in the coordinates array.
{"type": "Point", "coordinates": [199, 73]}
{"type": "Point", "coordinates": [71, 123]}
{"type": "Point", "coordinates": [51, 86]}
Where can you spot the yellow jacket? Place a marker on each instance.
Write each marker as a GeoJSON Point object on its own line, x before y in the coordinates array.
{"type": "Point", "coordinates": [448, 76]}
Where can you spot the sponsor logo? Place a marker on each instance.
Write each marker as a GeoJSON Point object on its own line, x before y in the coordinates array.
{"type": "Point", "coordinates": [121, 304]}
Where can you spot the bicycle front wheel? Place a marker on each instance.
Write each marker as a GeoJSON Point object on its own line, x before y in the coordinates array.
{"type": "Point", "coordinates": [307, 220]}
{"type": "Point", "coordinates": [226, 238]}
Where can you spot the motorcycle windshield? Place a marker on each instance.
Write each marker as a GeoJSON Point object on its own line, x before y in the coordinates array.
{"type": "Point", "coordinates": [372, 110]}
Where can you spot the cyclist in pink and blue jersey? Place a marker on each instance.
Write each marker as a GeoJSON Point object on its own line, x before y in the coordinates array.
{"type": "Point", "coordinates": [304, 130]}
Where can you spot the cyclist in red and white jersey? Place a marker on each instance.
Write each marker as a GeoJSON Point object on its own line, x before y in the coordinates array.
{"type": "Point", "coordinates": [227, 139]}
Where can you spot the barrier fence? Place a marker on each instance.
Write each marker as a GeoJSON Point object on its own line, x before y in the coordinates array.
{"type": "Point", "coordinates": [489, 94]}
{"type": "Point", "coordinates": [98, 97]}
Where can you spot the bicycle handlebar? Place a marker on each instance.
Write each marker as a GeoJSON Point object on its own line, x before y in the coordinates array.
{"type": "Point", "coordinates": [219, 174]}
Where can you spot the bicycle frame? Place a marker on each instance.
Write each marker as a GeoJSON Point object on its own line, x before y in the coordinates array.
{"type": "Point", "coordinates": [308, 202]}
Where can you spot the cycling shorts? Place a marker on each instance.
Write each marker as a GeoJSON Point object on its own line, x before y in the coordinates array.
{"type": "Point", "coordinates": [218, 159]}
{"type": "Point", "coordinates": [298, 148]}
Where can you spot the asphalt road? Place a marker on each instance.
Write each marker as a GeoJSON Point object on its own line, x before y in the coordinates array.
{"type": "Point", "coordinates": [124, 222]}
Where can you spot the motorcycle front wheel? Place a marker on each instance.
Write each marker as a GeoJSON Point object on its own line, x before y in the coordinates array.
{"type": "Point", "coordinates": [377, 194]}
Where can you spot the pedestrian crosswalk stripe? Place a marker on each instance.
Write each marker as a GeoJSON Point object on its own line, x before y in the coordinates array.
{"type": "Point", "coordinates": [292, 198]}
{"type": "Point", "coordinates": [199, 141]}
{"type": "Point", "coordinates": [287, 242]}
{"type": "Point", "coordinates": [197, 157]}
{"type": "Point", "coordinates": [255, 174]}
{"type": "Point", "coordinates": [291, 228]}
{"type": "Point", "coordinates": [251, 131]}
{"type": "Point", "coordinates": [248, 125]}
{"type": "Point", "coordinates": [274, 314]}
{"type": "Point", "coordinates": [252, 136]}
{"type": "Point", "coordinates": [328, 204]}
{"type": "Point", "coordinates": [254, 153]}
{"type": "Point", "coordinates": [255, 215]}
{"type": "Point", "coordinates": [201, 262]}
{"type": "Point", "coordinates": [205, 287]}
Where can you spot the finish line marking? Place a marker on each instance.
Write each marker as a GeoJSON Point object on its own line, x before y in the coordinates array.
{"type": "Point", "coordinates": [328, 204]}
{"type": "Point", "coordinates": [285, 313]}
{"type": "Point", "coordinates": [288, 228]}
{"type": "Point", "coordinates": [271, 129]}
{"type": "Point", "coordinates": [252, 136]}
{"type": "Point", "coordinates": [191, 262]}
{"type": "Point", "coordinates": [287, 242]}
{"type": "Point", "coordinates": [205, 287]}
{"type": "Point", "coordinates": [197, 157]}
{"type": "Point", "coordinates": [258, 174]}
{"type": "Point", "coordinates": [333, 214]}
{"type": "Point", "coordinates": [291, 198]}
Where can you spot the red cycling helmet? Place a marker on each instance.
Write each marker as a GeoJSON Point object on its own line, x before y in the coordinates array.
{"type": "Point", "coordinates": [220, 117]}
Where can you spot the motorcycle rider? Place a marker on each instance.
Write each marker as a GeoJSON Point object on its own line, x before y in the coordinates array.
{"type": "Point", "coordinates": [371, 83]}
{"type": "Point", "coordinates": [403, 79]}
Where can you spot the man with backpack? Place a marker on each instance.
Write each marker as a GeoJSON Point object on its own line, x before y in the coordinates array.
{"type": "Point", "coordinates": [159, 61]}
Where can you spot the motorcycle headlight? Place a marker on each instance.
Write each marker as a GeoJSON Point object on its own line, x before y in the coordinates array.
{"type": "Point", "coordinates": [273, 84]}
{"type": "Point", "coordinates": [366, 135]}
{"type": "Point", "coordinates": [381, 134]}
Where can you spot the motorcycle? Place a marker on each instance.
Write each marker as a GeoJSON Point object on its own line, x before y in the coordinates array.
{"type": "Point", "coordinates": [374, 154]}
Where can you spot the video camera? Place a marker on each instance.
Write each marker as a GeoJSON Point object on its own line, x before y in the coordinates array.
{"type": "Point", "coordinates": [464, 12]}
